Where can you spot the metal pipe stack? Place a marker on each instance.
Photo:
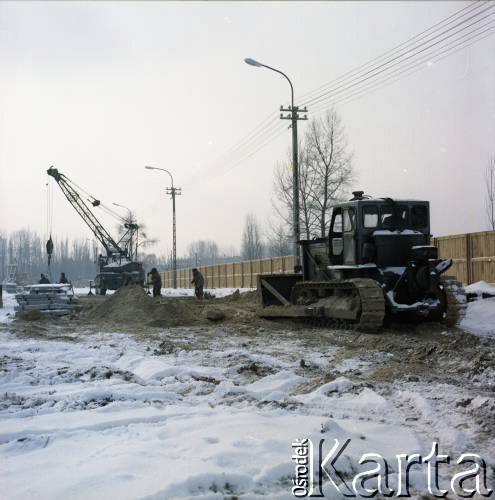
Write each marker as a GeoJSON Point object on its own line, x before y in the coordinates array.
{"type": "Point", "coordinates": [56, 300]}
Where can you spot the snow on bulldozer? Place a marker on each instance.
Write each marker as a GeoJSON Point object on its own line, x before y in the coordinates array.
{"type": "Point", "coordinates": [376, 263]}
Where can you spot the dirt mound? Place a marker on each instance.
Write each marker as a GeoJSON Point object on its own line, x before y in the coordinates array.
{"type": "Point", "coordinates": [245, 297]}
{"type": "Point", "coordinates": [131, 305]}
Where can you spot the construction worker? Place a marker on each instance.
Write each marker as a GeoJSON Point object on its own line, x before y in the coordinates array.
{"type": "Point", "coordinates": [43, 280]}
{"type": "Point", "coordinates": [63, 279]}
{"type": "Point", "coordinates": [156, 281]}
{"type": "Point", "coordinates": [199, 282]}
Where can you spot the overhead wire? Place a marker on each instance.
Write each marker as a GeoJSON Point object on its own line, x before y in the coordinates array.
{"type": "Point", "coordinates": [413, 67]}
{"type": "Point", "coordinates": [269, 130]}
{"type": "Point", "coordinates": [432, 29]}
{"type": "Point", "coordinates": [382, 67]}
{"type": "Point", "coordinates": [253, 133]}
{"type": "Point", "coordinates": [213, 167]}
{"type": "Point", "coordinates": [275, 135]}
{"type": "Point", "coordinates": [264, 128]}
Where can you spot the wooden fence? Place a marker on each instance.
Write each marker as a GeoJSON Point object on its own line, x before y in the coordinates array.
{"type": "Point", "coordinates": [473, 255]}
{"type": "Point", "coordinates": [234, 275]}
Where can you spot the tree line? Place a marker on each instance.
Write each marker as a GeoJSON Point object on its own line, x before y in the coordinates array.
{"type": "Point", "coordinates": [27, 250]}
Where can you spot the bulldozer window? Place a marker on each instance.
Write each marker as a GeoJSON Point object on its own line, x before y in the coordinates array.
{"type": "Point", "coordinates": [370, 217]}
{"type": "Point", "coordinates": [387, 217]}
{"type": "Point", "coordinates": [337, 223]}
{"type": "Point", "coordinates": [419, 216]}
{"type": "Point", "coordinates": [349, 220]}
{"type": "Point", "coordinates": [336, 241]}
{"type": "Point", "coordinates": [402, 216]}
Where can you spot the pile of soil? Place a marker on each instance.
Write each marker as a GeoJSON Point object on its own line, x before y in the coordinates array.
{"type": "Point", "coordinates": [245, 297]}
{"type": "Point", "coordinates": [131, 305]}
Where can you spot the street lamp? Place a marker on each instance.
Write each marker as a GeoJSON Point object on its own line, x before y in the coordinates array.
{"type": "Point", "coordinates": [294, 117]}
{"type": "Point", "coordinates": [172, 191]}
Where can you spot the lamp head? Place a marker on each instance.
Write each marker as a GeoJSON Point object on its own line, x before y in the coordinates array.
{"type": "Point", "coordinates": [252, 62]}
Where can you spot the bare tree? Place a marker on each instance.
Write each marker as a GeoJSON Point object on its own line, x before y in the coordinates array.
{"type": "Point", "coordinates": [330, 162]}
{"type": "Point", "coordinates": [279, 239]}
{"type": "Point", "coordinates": [251, 245]}
{"type": "Point", "coordinates": [490, 192]}
{"type": "Point", "coordinates": [134, 234]}
{"type": "Point", "coordinates": [203, 252]}
{"type": "Point", "coordinates": [282, 204]}
{"type": "Point", "coordinates": [325, 171]}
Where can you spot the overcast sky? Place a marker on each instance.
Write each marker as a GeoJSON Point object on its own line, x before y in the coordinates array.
{"type": "Point", "coordinates": [100, 89]}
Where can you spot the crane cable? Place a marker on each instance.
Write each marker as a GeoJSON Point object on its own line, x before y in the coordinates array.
{"type": "Point", "coordinates": [49, 225]}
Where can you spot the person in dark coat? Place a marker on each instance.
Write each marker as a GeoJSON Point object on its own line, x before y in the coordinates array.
{"type": "Point", "coordinates": [156, 281]}
{"type": "Point", "coordinates": [44, 280]}
{"type": "Point", "coordinates": [199, 282]}
{"type": "Point", "coordinates": [63, 279]}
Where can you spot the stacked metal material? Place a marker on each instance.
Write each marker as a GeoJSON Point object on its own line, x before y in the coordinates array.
{"type": "Point", "coordinates": [57, 300]}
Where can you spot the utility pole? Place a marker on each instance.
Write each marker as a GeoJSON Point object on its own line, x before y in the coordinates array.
{"type": "Point", "coordinates": [293, 115]}
{"type": "Point", "coordinates": [173, 192]}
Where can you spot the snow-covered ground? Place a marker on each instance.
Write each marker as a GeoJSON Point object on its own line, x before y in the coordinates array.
{"type": "Point", "coordinates": [480, 317]}
{"type": "Point", "coordinates": [209, 413]}
{"type": "Point", "coordinates": [106, 418]}
{"type": "Point", "coordinates": [7, 311]}
{"type": "Point", "coordinates": [479, 288]}
{"type": "Point", "coordinates": [480, 314]}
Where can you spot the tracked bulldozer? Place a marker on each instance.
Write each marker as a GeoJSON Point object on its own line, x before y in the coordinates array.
{"type": "Point", "coordinates": [376, 263]}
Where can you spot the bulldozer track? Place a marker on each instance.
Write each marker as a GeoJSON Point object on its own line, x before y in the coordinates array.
{"type": "Point", "coordinates": [370, 312]}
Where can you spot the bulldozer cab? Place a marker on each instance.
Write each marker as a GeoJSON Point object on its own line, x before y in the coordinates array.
{"type": "Point", "coordinates": [377, 231]}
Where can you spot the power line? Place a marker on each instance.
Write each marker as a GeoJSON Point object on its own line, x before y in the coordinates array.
{"type": "Point", "coordinates": [356, 93]}
{"type": "Point", "coordinates": [225, 159]}
{"type": "Point", "coordinates": [414, 66]}
{"type": "Point", "coordinates": [373, 72]}
{"type": "Point", "coordinates": [268, 129]}
{"type": "Point", "coordinates": [254, 132]}
{"type": "Point", "coordinates": [263, 128]}
{"type": "Point", "coordinates": [275, 135]}
{"type": "Point", "coordinates": [431, 29]}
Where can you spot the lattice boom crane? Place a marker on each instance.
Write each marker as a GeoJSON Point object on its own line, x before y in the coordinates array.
{"type": "Point", "coordinates": [116, 269]}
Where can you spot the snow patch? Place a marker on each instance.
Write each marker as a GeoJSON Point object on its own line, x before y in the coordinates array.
{"type": "Point", "coordinates": [480, 317]}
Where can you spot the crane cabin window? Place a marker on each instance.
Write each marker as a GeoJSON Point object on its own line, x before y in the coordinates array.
{"type": "Point", "coordinates": [370, 217]}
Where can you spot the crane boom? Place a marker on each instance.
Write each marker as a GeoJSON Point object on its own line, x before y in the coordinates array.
{"type": "Point", "coordinates": [81, 207]}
